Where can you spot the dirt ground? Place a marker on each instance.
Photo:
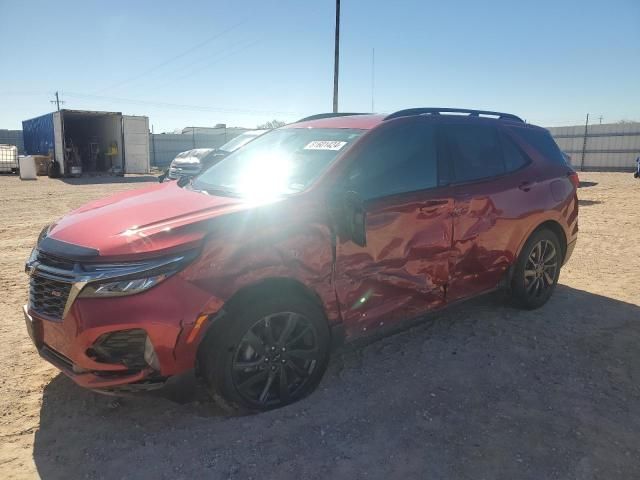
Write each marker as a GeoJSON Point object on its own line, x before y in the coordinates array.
{"type": "Point", "coordinates": [480, 391]}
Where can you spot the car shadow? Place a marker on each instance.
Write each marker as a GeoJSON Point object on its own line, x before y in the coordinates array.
{"type": "Point", "coordinates": [104, 179]}
{"type": "Point", "coordinates": [482, 390]}
{"type": "Point", "coordinates": [587, 203]}
{"type": "Point", "coordinates": [583, 184]}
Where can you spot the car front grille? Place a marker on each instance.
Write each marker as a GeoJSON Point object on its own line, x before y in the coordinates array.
{"type": "Point", "coordinates": [50, 285]}
{"type": "Point", "coordinates": [47, 296]}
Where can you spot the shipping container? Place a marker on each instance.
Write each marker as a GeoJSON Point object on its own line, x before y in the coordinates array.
{"type": "Point", "coordinates": [90, 141]}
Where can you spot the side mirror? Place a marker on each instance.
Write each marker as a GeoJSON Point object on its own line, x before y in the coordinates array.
{"type": "Point", "coordinates": [349, 216]}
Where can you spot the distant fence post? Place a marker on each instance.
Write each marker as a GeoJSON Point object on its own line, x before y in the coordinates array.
{"type": "Point", "coordinates": [584, 143]}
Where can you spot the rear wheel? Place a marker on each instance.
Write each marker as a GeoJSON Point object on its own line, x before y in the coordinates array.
{"type": "Point", "coordinates": [537, 270]}
{"type": "Point", "coordinates": [267, 354]}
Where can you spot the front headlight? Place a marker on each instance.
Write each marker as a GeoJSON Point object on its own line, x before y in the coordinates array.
{"type": "Point", "coordinates": [33, 256]}
{"type": "Point", "coordinates": [43, 233]}
{"type": "Point", "coordinates": [128, 279]}
{"type": "Point", "coordinates": [122, 287]}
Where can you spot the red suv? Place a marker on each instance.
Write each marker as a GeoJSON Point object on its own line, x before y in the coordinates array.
{"type": "Point", "coordinates": [330, 227]}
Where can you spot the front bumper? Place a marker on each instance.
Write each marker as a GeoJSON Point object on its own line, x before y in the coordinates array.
{"type": "Point", "coordinates": [166, 312]}
{"type": "Point", "coordinates": [570, 247]}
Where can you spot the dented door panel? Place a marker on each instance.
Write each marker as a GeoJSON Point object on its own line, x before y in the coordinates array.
{"type": "Point", "coordinates": [402, 270]}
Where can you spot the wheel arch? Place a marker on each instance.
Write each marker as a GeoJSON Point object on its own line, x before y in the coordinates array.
{"type": "Point", "coordinates": [251, 292]}
{"type": "Point", "coordinates": [557, 229]}
{"type": "Point", "coordinates": [274, 285]}
{"type": "Point", "coordinates": [549, 224]}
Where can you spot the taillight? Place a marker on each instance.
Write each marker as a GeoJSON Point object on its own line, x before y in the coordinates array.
{"type": "Point", "coordinates": [575, 180]}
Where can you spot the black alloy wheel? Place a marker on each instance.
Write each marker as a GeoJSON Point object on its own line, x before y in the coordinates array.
{"type": "Point", "coordinates": [537, 270]}
{"type": "Point", "coordinates": [541, 267]}
{"type": "Point", "coordinates": [275, 359]}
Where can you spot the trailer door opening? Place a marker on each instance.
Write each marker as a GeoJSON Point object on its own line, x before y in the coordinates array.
{"type": "Point", "coordinates": [92, 142]}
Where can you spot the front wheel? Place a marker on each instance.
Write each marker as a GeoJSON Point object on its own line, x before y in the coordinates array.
{"type": "Point", "coordinates": [537, 270]}
{"type": "Point", "coordinates": [269, 353]}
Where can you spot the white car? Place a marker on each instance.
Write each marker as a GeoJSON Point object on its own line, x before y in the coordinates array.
{"type": "Point", "coordinates": [192, 162]}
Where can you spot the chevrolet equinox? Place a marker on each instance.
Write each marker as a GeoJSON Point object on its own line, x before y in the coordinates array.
{"type": "Point", "coordinates": [328, 228]}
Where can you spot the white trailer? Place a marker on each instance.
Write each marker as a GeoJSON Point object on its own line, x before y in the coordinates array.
{"type": "Point", "coordinates": [91, 141]}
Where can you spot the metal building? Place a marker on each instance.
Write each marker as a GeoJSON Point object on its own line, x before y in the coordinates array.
{"type": "Point", "coordinates": [613, 146]}
{"type": "Point", "coordinates": [12, 137]}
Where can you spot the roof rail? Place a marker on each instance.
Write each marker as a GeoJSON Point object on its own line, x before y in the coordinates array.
{"type": "Point", "coordinates": [410, 112]}
{"type": "Point", "coordinates": [320, 116]}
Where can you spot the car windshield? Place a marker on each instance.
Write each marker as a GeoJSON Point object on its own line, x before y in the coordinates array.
{"type": "Point", "coordinates": [280, 162]}
{"type": "Point", "coordinates": [241, 140]}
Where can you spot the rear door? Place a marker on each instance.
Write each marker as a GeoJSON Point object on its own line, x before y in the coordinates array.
{"type": "Point", "coordinates": [402, 269]}
{"type": "Point", "coordinates": [58, 140]}
{"type": "Point", "coordinates": [135, 132]}
{"type": "Point", "coordinates": [492, 196]}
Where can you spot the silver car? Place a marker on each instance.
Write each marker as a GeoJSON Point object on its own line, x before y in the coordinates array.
{"type": "Point", "coordinates": [192, 162]}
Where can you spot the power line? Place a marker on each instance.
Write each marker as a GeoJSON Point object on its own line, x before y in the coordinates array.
{"type": "Point", "coordinates": [226, 53]}
{"type": "Point", "coordinates": [177, 106]}
{"type": "Point", "coordinates": [176, 57]}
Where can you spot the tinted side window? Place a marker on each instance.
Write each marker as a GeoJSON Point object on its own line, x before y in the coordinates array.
{"type": "Point", "coordinates": [400, 159]}
{"type": "Point", "coordinates": [543, 142]}
{"type": "Point", "coordinates": [514, 158]}
{"type": "Point", "coordinates": [474, 152]}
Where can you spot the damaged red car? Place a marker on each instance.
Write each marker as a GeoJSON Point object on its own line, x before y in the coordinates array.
{"type": "Point", "coordinates": [323, 230]}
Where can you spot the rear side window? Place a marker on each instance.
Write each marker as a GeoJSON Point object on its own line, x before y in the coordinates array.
{"type": "Point", "coordinates": [399, 159]}
{"type": "Point", "coordinates": [514, 158]}
{"type": "Point", "coordinates": [543, 142]}
{"type": "Point", "coordinates": [474, 152]}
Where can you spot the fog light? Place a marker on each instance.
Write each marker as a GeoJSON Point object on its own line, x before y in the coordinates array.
{"type": "Point", "coordinates": [150, 355]}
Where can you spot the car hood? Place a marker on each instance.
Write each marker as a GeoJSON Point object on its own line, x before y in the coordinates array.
{"type": "Point", "coordinates": [148, 220]}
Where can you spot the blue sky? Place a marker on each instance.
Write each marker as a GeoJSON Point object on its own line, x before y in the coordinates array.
{"type": "Point", "coordinates": [243, 62]}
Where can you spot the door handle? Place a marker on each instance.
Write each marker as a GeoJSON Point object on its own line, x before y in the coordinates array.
{"type": "Point", "coordinates": [526, 186]}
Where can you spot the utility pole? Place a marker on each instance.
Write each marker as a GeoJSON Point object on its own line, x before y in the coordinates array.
{"type": "Point", "coordinates": [584, 143]}
{"type": "Point", "coordinates": [600, 118]}
{"type": "Point", "coordinates": [336, 59]}
{"type": "Point", "coordinates": [57, 101]}
{"type": "Point", "coordinates": [373, 78]}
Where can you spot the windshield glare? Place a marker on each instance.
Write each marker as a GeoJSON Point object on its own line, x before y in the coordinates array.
{"type": "Point", "coordinates": [280, 162]}
{"type": "Point", "coordinates": [242, 139]}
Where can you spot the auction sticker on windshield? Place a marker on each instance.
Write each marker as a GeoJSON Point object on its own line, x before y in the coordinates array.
{"type": "Point", "coordinates": [325, 145]}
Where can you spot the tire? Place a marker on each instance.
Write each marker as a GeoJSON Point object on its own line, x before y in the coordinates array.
{"type": "Point", "coordinates": [240, 361]}
{"type": "Point", "coordinates": [534, 281]}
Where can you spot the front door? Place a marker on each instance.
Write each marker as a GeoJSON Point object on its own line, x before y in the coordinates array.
{"type": "Point", "coordinates": [402, 269]}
